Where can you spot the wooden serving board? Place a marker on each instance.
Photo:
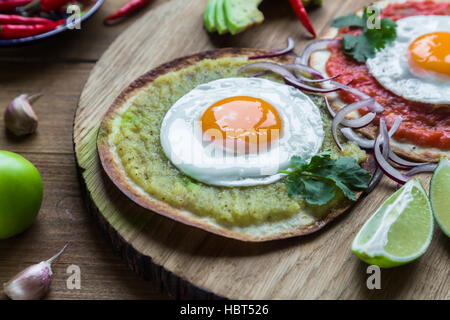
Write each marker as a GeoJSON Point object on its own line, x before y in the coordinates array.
{"type": "Point", "coordinates": [191, 263]}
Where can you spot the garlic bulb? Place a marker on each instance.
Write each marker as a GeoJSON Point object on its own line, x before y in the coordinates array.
{"type": "Point", "coordinates": [33, 282]}
{"type": "Point", "coordinates": [20, 118]}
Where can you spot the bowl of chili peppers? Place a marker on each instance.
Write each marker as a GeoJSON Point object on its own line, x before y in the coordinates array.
{"type": "Point", "coordinates": [26, 21]}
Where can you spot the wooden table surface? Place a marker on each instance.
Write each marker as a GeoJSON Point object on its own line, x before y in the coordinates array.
{"type": "Point", "coordinates": [60, 67]}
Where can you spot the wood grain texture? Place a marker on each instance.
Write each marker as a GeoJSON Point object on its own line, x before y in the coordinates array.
{"type": "Point", "coordinates": [188, 262]}
{"type": "Point", "coordinates": [60, 67]}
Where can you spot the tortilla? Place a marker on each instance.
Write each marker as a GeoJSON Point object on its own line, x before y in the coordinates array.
{"type": "Point", "coordinates": [408, 150]}
{"type": "Point", "coordinates": [298, 224]}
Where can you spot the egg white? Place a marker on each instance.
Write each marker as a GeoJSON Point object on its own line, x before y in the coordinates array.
{"type": "Point", "coordinates": [391, 68]}
{"type": "Point", "coordinates": [302, 133]}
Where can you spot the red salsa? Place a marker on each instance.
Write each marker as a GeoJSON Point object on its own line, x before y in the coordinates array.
{"type": "Point", "coordinates": [423, 124]}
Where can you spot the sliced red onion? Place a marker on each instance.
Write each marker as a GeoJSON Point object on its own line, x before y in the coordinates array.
{"type": "Point", "coordinates": [392, 155]}
{"type": "Point", "coordinates": [299, 68]}
{"type": "Point", "coordinates": [340, 116]}
{"type": "Point", "coordinates": [377, 176]}
{"type": "Point", "coordinates": [361, 141]}
{"type": "Point", "coordinates": [269, 66]}
{"type": "Point", "coordinates": [397, 122]}
{"type": "Point", "coordinates": [277, 53]}
{"type": "Point", "coordinates": [330, 109]}
{"type": "Point", "coordinates": [355, 123]}
{"type": "Point", "coordinates": [259, 74]}
{"type": "Point", "coordinates": [305, 69]}
{"type": "Point", "coordinates": [375, 108]}
{"type": "Point", "coordinates": [292, 81]}
{"type": "Point", "coordinates": [315, 46]}
{"type": "Point", "coordinates": [395, 158]}
{"type": "Point", "coordinates": [359, 123]}
{"type": "Point", "coordinates": [383, 141]}
{"type": "Point", "coordinates": [427, 167]}
{"type": "Point", "coordinates": [287, 75]}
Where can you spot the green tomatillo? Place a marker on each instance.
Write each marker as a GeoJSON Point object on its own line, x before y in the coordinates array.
{"type": "Point", "coordinates": [20, 194]}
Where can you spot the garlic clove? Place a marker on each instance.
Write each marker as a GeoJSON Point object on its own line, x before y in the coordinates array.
{"type": "Point", "coordinates": [20, 117]}
{"type": "Point", "coordinates": [30, 284]}
{"type": "Point", "coordinates": [33, 282]}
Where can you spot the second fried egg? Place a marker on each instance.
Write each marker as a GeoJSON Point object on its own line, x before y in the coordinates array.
{"type": "Point", "coordinates": [416, 66]}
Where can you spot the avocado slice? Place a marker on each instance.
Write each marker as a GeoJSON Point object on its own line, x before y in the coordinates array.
{"type": "Point", "coordinates": [241, 14]}
{"type": "Point", "coordinates": [221, 24]}
{"type": "Point", "coordinates": [209, 17]}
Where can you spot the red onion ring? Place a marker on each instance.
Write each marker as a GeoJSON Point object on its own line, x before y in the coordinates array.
{"type": "Point", "coordinates": [315, 46]}
{"type": "Point", "coordinates": [378, 172]}
{"type": "Point", "coordinates": [360, 122]}
{"type": "Point", "coordinates": [292, 81]}
{"type": "Point", "coordinates": [363, 142]}
{"type": "Point", "coordinates": [383, 141]}
{"type": "Point", "coordinates": [405, 163]}
{"type": "Point", "coordinates": [269, 66]}
{"type": "Point", "coordinates": [378, 175]}
{"type": "Point", "coordinates": [351, 135]}
{"type": "Point", "coordinates": [397, 122]}
{"type": "Point", "coordinates": [340, 116]}
{"type": "Point", "coordinates": [299, 68]}
{"type": "Point", "coordinates": [355, 123]}
{"type": "Point", "coordinates": [369, 144]}
{"type": "Point", "coordinates": [259, 74]}
{"type": "Point", "coordinates": [426, 167]}
{"type": "Point", "coordinates": [376, 107]}
{"type": "Point", "coordinates": [277, 53]}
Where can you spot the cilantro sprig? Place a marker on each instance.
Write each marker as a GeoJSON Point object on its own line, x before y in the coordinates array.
{"type": "Point", "coordinates": [372, 39]}
{"type": "Point", "coordinates": [318, 180]}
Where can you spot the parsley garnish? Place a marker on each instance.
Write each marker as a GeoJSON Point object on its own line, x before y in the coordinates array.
{"type": "Point", "coordinates": [365, 45]}
{"type": "Point", "coordinates": [318, 180]}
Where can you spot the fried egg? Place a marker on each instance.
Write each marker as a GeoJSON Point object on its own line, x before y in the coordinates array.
{"type": "Point", "coordinates": [416, 66]}
{"type": "Point", "coordinates": [240, 131]}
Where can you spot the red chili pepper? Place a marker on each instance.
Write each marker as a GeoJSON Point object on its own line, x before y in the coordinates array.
{"type": "Point", "coordinates": [44, 5]}
{"type": "Point", "coordinates": [15, 31]}
{"type": "Point", "coordinates": [9, 5]}
{"type": "Point", "coordinates": [302, 15]}
{"type": "Point", "coordinates": [15, 19]}
{"type": "Point", "coordinates": [130, 7]}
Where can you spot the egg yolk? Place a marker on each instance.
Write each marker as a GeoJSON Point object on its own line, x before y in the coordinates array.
{"type": "Point", "coordinates": [431, 52]}
{"type": "Point", "coordinates": [241, 119]}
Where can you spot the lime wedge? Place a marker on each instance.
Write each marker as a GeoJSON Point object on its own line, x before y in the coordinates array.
{"type": "Point", "coordinates": [400, 231]}
{"type": "Point", "coordinates": [439, 195]}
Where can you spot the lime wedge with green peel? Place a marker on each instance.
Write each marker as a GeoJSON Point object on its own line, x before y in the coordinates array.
{"type": "Point", "coordinates": [440, 195]}
{"type": "Point", "coordinates": [400, 231]}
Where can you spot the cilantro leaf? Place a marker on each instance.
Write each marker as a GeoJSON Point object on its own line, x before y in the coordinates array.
{"type": "Point", "coordinates": [318, 192]}
{"type": "Point", "coordinates": [298, 163]}
{"type": "Point", "coordinates": [358, 46]}
{"type": "Point", "coordinates": [349, 172]}
{"type": "Point", "coordinates": [375, 36]}
{"type": "Point", "coordinates": [379, 38]}
{"type": "Point", "coordinates": [352, 20]}
{"type": "Point", "coordinates": [317, 180]}
{"type": "Point", "coordinates": [294, 184]}
{"type": "Point", "coordinates": [315, 192]}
